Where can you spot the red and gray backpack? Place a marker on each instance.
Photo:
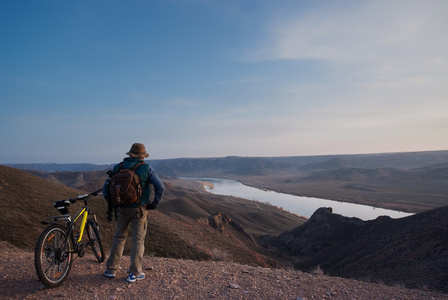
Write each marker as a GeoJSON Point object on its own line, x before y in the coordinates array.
{"type": "Point", "coordinates": [125, 186]}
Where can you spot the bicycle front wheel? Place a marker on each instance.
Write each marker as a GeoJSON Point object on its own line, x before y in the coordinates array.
{"type": "Point", "coordinates": [95, 240]}
{"type": "Point", "coordinates": [53, 255]}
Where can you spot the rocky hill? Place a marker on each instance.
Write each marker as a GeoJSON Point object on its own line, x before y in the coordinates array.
{"type": "Point", "coordinates": [412, 251]}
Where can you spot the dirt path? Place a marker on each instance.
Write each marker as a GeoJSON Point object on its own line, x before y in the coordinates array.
{"type": "Point", "coordinates": [184, 279]}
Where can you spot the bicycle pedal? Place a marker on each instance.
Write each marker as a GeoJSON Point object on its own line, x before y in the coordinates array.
{"type": "Point", "coordinates": [81, 249]}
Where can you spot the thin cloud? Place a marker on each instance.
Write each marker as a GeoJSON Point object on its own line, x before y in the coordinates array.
{"type": "Point", "coordinates": [374, 31]}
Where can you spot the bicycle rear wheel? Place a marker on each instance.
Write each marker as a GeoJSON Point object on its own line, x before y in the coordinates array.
{"type": "Point", "coordinates": [53, 255]}
{"type": "Point", "coordinates": [95, 240]}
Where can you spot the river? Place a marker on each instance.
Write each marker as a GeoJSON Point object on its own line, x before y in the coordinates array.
{"type": "Point", "coordinates": [303, 206]}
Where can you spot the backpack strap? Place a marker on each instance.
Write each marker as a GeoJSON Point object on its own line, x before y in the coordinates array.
{"type": "Point", "coordinates": [136, 177]}
{"type": "Point", "coordinates": [136, 166]}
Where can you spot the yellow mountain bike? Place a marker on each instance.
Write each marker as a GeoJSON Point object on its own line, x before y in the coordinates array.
{"type": "Point", "coordinates": [63, 238]}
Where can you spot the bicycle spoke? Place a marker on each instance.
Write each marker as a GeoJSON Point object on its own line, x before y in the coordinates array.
{"type": "Point", "coordinates": [53, 258]}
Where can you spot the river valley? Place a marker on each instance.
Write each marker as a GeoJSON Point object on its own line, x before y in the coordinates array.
{"type": "Point", "coordinates": [302, 206]}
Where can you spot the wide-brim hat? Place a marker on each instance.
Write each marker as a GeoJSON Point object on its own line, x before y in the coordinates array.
{"type": "Point", "coordinates": [138, 151]}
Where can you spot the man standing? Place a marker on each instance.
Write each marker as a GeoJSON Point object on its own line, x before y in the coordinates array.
{"type": "Point", "coordinates": [134, 214]}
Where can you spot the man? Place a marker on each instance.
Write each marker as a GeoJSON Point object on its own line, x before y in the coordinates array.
{"type": "Point", "coordinates": [134, 215]}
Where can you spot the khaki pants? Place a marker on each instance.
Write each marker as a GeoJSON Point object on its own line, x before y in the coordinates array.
{"type": "Point", "coordinates": [138, 218]}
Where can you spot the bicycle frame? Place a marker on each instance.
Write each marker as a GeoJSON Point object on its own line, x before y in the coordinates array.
{"type": "Point", "coordinates": [84, 214]}
{"type": "Point", "coordinates": [61, 239]}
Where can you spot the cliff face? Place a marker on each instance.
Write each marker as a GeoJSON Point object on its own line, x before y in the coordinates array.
{"type": "Point", "coordinates": [323, 229]}
{"type": "Point", "coordinates": [411, 251]}
{"type": "Point", "coordinates": [226, 226]}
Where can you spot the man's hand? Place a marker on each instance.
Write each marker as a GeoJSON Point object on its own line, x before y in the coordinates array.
{"type": "Point", "coordinates": [149, 206]}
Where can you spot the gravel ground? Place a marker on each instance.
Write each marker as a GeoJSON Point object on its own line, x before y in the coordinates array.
{"type": "Point", "coordinates": [184, 279]}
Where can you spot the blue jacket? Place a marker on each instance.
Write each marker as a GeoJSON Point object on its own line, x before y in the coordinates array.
{"type": "Point", "coordinates": [148, 177]}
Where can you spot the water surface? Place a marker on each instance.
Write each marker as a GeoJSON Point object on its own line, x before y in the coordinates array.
{"type": "Point", "coordinates": [303, 206]}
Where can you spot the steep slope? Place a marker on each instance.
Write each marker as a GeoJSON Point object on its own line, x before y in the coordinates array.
{"type": "Point", "coordinates": [25, 200]}
{"type": "Point", "coordinates": [411, 251]}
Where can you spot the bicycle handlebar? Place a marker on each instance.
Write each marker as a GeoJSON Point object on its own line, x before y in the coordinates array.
{"type": "Point", "coordinates": [85, 196]}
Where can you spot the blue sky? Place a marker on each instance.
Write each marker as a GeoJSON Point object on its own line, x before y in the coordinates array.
{"type": "Point", "coordinates": [80, 81]}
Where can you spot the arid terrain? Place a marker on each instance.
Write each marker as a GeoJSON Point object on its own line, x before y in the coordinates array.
{"type": "Point", "coordinates": [199, 242]}
{"type": "Point", "coordinates": [168, 278]}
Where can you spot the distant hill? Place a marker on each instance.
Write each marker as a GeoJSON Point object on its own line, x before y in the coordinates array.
{"type": "Point", "coordinates": [411, 251]}
{"type": "Point", "coordinates": [81, 180]}
{"type": "Point", "coordinates": [408, 181]}
{"type": "Point", "coordinates": [261, 165]}
{"type": "Point", "coordinates": [53, 167]}
{"type": "Point", "coordinates": [255, 166]}
{"type": "Point", "coordinates": [330, 164]}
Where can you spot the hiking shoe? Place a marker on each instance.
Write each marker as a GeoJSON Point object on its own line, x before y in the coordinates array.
{"type": "Point", "coordinates": [132, 278]}
{"type": "Point", "coordinates": [109, 275]}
